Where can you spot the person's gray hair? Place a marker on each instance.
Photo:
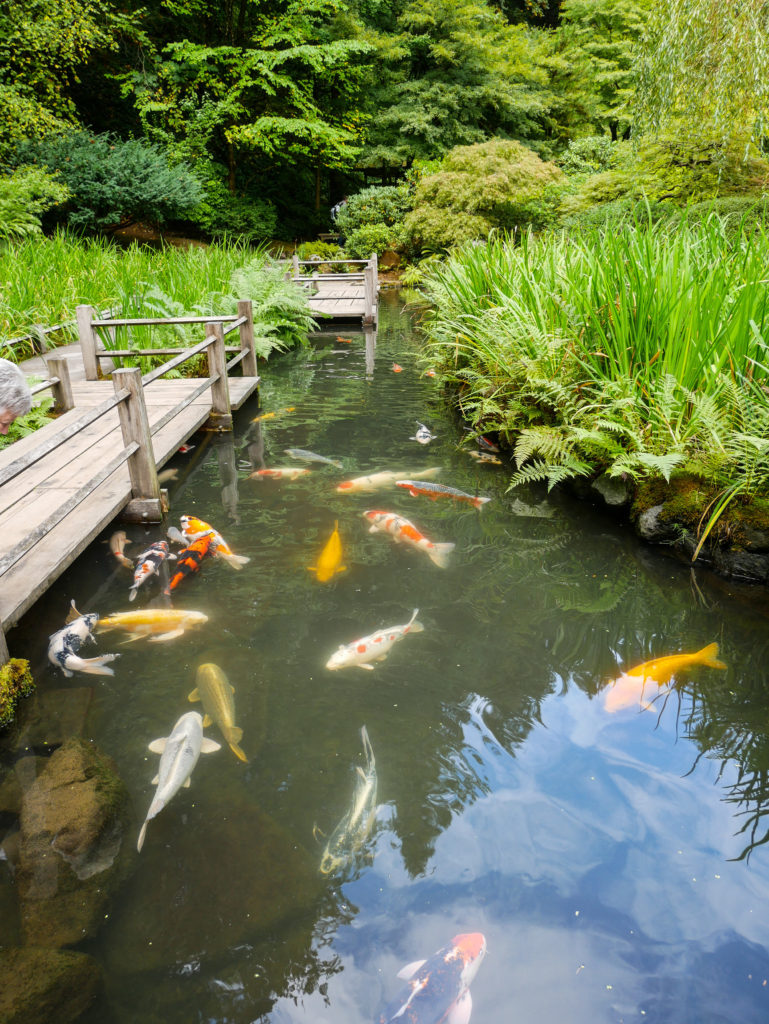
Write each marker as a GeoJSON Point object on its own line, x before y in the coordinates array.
{"type": "Point", "coordinates": [15, 395]}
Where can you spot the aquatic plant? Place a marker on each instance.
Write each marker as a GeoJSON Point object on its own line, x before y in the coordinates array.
{"type": "Point", "coordinates": [15, 682]}
{"type": "Point", "coordinates": [637, 353]}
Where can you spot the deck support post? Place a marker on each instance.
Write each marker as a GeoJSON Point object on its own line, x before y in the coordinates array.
{"type": "Point", "coordinates": [145, 505]}
{"type": "Point", "coordinates": [248, 363]}
{"type": "Point", "coordinates": [369, 293]}
{"type": "Point", "coordinates": [89, 341]}
{"type": "Point", "coordinates": [221, 412]}
{"type": "Point", "coordinates": [4, 655]}
{"type": "Point", "coordinates": [62, 392]}
{"type": "Point", "coordinates": [295, 264]}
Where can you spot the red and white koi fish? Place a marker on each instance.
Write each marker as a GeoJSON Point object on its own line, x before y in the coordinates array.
{"type": "Point", "coordinates": [435, 491]}
{"type": "Point", "coordinates": [279, 473]}
{"type": "Point", "coordinates": [192, 528]}
{"type": "Point", "coordinates": [148, 564]}
{"type": "Point", "coordinates": [403, 531]}
{"type": "Point", "coordinates": [438, 988]}
{"type": "Point", "coordinates": [117, 543]}
{"type": "Point", "coordinates": [375, 647]}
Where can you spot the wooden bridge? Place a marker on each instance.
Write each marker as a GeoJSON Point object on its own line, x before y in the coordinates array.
{"type": "Point", "coordinates": [341, 295]}
{"type": "Point", "coordinates": [60, 486]}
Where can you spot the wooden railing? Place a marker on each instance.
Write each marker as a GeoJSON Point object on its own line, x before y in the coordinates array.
{"type": "Point", "coordinates": [369, 276]}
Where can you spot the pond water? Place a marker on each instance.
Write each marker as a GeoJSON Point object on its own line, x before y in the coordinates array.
{"type": "Point", "coordinates": [598, 851]}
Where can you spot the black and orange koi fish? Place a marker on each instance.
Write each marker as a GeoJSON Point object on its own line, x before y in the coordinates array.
{"type": "Point", "coordinates": [188, 560]}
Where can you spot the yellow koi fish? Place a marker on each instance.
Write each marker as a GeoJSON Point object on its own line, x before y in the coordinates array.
{"type": "Point", "coordinates": [214, 690]}
{"type": "Point", "coordinates": [629, 688]}
{"type": "Point", "coordinates": [330, 560]}
{"type": "Point", "coordinates": [155, 623]}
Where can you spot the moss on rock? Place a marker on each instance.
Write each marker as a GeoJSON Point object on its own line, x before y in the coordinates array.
{"type": "Point", "coordinates": [15, 682]}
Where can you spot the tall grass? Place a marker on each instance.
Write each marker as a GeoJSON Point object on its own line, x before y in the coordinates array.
{"type": "Point", "coordinates": [43, 280]}
{"type": "Point", "coordinates": [640, 352]}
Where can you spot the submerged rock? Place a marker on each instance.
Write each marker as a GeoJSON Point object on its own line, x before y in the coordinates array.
{"type": "Point", "coordinates": [42, 986]}
{"type": "Point", "coordinates": [616, 492]}
{"type": "Point", "coordinates": [73, 820]}
{"type": "Point", "coordinates": [211, 876]}
{"type": "Point", "coordinates": [56, 716]}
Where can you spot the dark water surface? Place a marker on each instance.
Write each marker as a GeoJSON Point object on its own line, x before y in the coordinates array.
{"type": "Point", "coordinates": [597, 851]}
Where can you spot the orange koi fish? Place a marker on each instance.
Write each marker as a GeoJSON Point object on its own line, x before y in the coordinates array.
{"type": "Point", "coordinates": [435, 491]}
{"type": "Point", "coordinates": [403, 531]}
{"type": "Point", "coordinates": [279, 473]}
{"type": "Point", "coordinates": [628, 689]}
{"type": "Point", "coordinates": [345, 341]}
{"type": "Point", "coordinates": [188, 560]}
{"type": "Point", "coordinates": [192, 527]}
{"type": "Point", "coordinates": [330, 559]}
{"type": "Point", "coordinates": [397, 368]}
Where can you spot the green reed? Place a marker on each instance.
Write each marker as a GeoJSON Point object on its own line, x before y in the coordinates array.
{"type": "Point", "coordinates": [43, 280]}
{"type": "Point", "coordinates": [640, 351]}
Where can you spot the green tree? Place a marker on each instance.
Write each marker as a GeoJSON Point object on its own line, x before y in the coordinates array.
{"type": "Point", "coordinates": [592, 63]}
{"type": "Point", "coordinates": [281, 87]}
{"type": "Point", "coordinates": [706, 70]}
{"type": "Point", "coordinates": [455, 72]}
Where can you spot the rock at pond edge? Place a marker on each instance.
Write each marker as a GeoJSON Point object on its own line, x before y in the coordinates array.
{"type": "Point", "coordinates": [43, 986]}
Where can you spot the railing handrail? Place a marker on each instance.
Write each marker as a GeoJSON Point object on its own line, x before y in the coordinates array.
{"type": "Point", "coordinates": [171, 364]}
{"type": "Point", "coordinates": [46, 330]}
{"type": "Point", "coordinates": [289, 260]}
{"type": "Point", "coordinates": [161, 321]}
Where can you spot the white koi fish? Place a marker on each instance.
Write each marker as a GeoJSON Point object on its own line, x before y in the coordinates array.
{"type": "Point", "coordinates": [64, 645]}
{"type": "Point", "coordinates": [148, 564]}
{"type": "Point", "coordinates": [375, 647]}
{"type": "Point", "coordinates": [353, 830]}
{"type": "Point", "coordinates": [403, 531]}
{"type": "Point", "coordinates": [378, 481]}
{"type": "Point", "coordinates": [438, 988]}
{"type": "Point", "coordinates": [424, 435]}
{"type": "Point", "coordinates": [179, 754]}
{"type": "Point", "coordinates": [305, 456]}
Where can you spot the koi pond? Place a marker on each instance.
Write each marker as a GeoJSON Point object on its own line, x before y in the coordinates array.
{"type": "Point", "coordinates": [611, 851]}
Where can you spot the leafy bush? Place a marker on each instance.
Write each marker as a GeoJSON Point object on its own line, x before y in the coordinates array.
{"type": "Point", "coordinates": [495, 184]}
{"type": "Point", "coordinates": [112, 181]}
{"type": "Point", "coordinates": [370, 238]}
{"type": "Point", "coordinates": [221, 214]}
{"type": "Point", "coordinates": [25, 195]}
{"type": "Point", "coordinates": [325, 250]}
{"type": "Point", "coordinates": [37, 417]}
{"type": "Point", "coordinates": [589, 155]}
{"type": "Point", "coordinates": [380, 204]}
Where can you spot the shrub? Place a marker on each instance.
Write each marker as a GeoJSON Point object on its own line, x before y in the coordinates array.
{"type": "Point", "coordinates": [589, 155]}
{"type": "Point", "coordinates": [224, 215]}
{"type": "Point", "coordinates": [495, 184]}
{"type": "Point", "coordinates": [370, 238]}
{"type": "Point", "coordinates": [112, 181]}
{"type": "Point", "coordinates": [25, 195]}
{"type": "Point", "coordinates": [380, 204]}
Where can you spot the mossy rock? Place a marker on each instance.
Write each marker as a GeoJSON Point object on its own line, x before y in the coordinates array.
{"type": "Point", "coordinates": [41, 986]}
{"type": "Point", "coordinates": [15, 682]}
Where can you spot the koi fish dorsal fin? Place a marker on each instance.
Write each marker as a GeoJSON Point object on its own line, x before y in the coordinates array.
{"type": "Point", "coordinates": [410, 969]}
{"type": "Point", "coordinates": [709, 656]}
{"type": "Point", "coordinates": [72, 614]}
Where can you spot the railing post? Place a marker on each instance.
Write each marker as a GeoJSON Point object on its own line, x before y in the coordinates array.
{"type": "Point", "coordinates": [368, 294]}
{"type": "Point", "coordinates": [62, 392]}
{"type": "Point", "coordinates": [245, 308]}
{"type": "Point", "coordinates": [145, 504]}
{"type": "Point", "coordinates": [221, 413]}
{"type": "Point", "coordinates": [89, 342]}
{"type": "Point", "coordinates": [295, 264]}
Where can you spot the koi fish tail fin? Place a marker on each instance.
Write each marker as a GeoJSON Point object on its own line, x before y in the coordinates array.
{"type": "Point", "coordinates": [142, 834]}
{"type": "Point", "coordinates": [413, 625]}
{"type": "Point", "coordinates": [132, 593]}
{"type": "Point", "coordinates": [236, 561]}
{"type": "Point", "coordinates": [367, 748]}
{"type": "Point", "coordinates": [480, 502]}
{"type": "Point", "coordinates": [439, 554]}
{"type": "Point", "coordinates": [709, 656]}
{"type": "Point", "coordinates": [94, 666]}
{"type": "Point", "coordinates": [124, 560]}
{"type": "Point", "coordinates": [234, 737]}
{"type": "Point", "coordinates": [337, 463]}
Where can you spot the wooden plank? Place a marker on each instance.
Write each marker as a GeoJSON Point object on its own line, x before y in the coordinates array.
{"type": "Point", "coordinates": [159, 321]}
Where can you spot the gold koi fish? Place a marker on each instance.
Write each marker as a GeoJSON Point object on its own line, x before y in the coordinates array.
{"type": "Point", "coordinates": [330, 559]}
{"type": "Point", "coordinates": [158, 624]}
{"type": "Point", "coordinates": [214, 690]}
{"type": "Point", "coordinates": [628, 689]}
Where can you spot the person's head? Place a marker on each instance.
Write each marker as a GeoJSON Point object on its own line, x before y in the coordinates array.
{"type": "Point", "coordinates": [15, 396]}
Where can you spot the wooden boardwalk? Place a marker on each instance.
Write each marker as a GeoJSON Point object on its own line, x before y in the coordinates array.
{"type": "Point", "coordinates": [61, 486]}
{"type": "Point", "coordinates": [341, 296]}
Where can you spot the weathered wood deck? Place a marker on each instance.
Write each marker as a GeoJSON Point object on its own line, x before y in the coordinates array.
{"type": "Point", "coordinates": [341, 296]}
{"type": "Point", "coordinates": [29, 498]}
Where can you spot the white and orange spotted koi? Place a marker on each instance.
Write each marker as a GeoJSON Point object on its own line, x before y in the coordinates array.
{"type": "Point", "coordinates": [438, 989]}
{"type": "Point", "coordinates": [403, 531]}
{"type": "Point", "coordinates": [376, 647]}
